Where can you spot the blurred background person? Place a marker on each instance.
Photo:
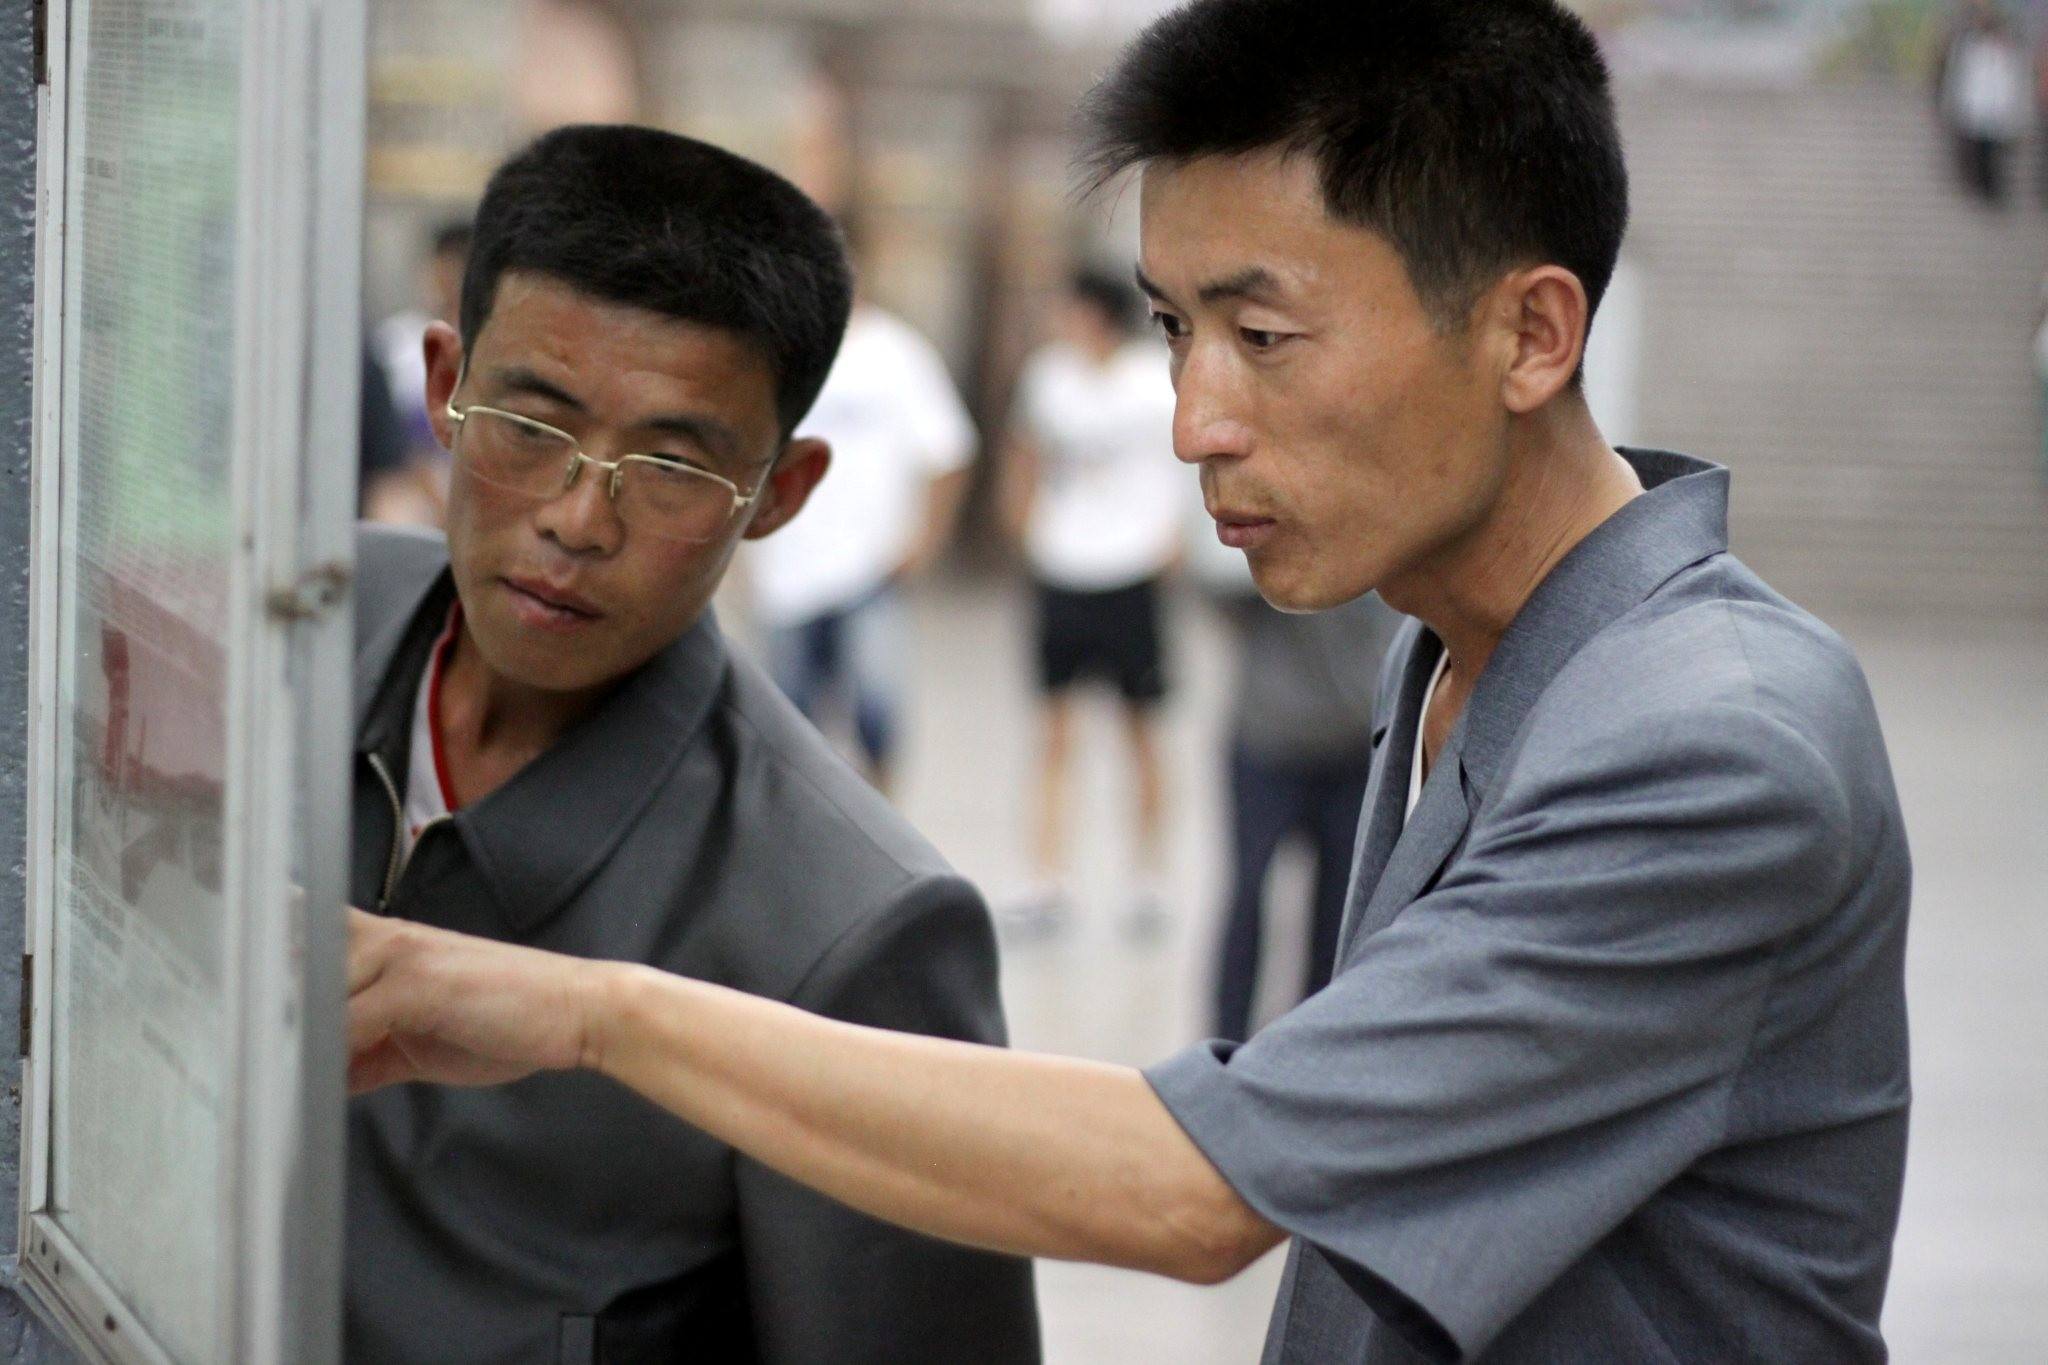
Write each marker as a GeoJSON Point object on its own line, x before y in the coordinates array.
{"type": "Point", "coordinates": [828, 597]}
{"type": "Point", "coordinates": [414, 488]}
{"type": "Point", "coordinates": [1298, 746]}
{"type": "Point", "coordinates": [383, 452]}
{"type": "Point", "coordinates": [1985, 92]}
{"type": "Point", "coordinates": [398, 338]}
{"type": "Point", "coordinates": [2040, 74]}
{"type": "Point", "coordinates": [1094, 496]}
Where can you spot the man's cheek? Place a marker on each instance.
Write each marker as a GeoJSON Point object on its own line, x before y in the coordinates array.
{"type": "Point", "coordinates": [497, 507]}
{"type": "Point", "coordinates": [674, 581]}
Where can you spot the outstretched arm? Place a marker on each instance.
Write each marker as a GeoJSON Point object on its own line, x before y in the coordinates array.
{"type": "Point", "coordinates": [1012, 1151]}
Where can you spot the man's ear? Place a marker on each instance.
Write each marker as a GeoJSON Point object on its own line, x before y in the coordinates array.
{"type": "Point", "coordinates": [443, 348]}
{"type": "Point", "coordinates": [1543, 312]}
{"type": "Point", "coordinates": [788, 487]}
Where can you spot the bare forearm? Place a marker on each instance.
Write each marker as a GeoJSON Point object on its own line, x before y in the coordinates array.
{"type": "Point", "coordinates": [1036, 1155]}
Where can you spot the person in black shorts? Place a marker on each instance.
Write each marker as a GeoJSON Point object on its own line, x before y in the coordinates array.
{"type": "Point", "coordinates": [1111, 636]}
{"type": "Point", "coordinates": [1093, 493]}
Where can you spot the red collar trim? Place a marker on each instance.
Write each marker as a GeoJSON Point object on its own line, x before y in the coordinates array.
{"type": "Point", "coordinates": [442, 648]}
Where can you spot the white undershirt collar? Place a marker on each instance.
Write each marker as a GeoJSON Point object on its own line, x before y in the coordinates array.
{"type": "Point", "coordinates": [427, 791]}
{"type": "Point", "coordinates": [1421, 719]}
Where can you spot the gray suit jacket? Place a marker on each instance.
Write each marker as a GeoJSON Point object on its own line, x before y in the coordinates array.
{"type": "Point", "coordinates": [1613, 1066]}
{"type": "Point", "coordinates": [697, 823]}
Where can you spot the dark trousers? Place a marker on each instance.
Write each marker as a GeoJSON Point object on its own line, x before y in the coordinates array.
{"type": "Point", "coordinates": [851, 654]}
{"type": "Point", "coordinates": [1983, 162]}
{"type": "Point", "coordinates": [1268, 804]}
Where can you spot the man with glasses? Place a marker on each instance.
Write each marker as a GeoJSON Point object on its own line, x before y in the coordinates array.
{"type": "Point", "coordinates": [554, 748]}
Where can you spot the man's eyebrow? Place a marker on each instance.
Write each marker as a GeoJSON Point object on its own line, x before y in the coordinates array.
{"type": "Point", "coordinates": [1254, 282]}
{"type": "Point", "coordinates": [519, 379]}
{"type": "Point", "coordinates": [709, 434]}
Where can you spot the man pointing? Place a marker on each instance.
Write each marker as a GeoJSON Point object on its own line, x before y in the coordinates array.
{"type": "Point", "coordinates": [1613, 1063]}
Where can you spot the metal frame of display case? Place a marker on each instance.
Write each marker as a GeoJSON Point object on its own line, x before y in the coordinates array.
{"type": "Point", "coordinates": [297, 368]}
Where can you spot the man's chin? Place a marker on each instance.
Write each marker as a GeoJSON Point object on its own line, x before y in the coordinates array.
{"type": "Point", "coordinates": [1296, 593]}
{"type": "Point", "coordinates": [542, 665]}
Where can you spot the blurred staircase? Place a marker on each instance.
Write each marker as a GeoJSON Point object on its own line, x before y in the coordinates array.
{"type": "Point", "coordinates": [1827, 314]}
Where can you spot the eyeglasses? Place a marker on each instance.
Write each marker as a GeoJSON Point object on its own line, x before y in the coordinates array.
{"type": "Point", "coordinates": [658, 495]}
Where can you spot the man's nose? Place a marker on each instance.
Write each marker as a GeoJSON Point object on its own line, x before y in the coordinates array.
{"type": "Point", "coordinates": [582, 518]}
{"type": "Point", "coordinates": [1208, 412]}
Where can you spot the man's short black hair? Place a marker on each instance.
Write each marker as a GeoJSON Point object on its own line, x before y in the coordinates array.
{"type": "Point", "coordinates": [1110, 295]}
{"type": "Point", "coordinates": [675, 226]}
{"type": "Point", "coordinates": [1477, 136]}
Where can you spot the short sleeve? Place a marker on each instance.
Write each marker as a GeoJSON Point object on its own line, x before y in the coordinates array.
{"type": "Point", "coordinates": [1530, 1051]}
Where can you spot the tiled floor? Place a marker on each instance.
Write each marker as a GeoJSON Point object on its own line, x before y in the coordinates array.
{"type": "Point", "coordinates": [1965, 706]}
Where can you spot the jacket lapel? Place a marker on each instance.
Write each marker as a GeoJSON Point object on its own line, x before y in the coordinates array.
{"type": "Point", "coordinates": [1425, 844]}
{"type": "Point", "coordinates": [1386, 791]}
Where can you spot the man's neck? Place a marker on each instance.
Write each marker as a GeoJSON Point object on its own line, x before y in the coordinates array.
{"type": "Point", "coordinates": [1563, 482]}
{"type": "Point", "coordinates": [491, 726]}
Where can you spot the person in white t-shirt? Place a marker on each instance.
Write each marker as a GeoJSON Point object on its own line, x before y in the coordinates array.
{"type": "Point", "coordinates": [1984, 98]}
{"type": "Point", "coordinates": [827, 594]}
{"type": "Point", "coordinates": [1093, 493]}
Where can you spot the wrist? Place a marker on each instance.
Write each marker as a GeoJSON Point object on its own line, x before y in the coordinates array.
{"type": "Point", "coordinates": [602, 999]}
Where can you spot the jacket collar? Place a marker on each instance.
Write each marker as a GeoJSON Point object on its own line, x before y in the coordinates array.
{"type": "Point", "coordinates": [538, 838]}
{"type": "Point", "coordinates": [1681, 519]}
{"type": "Point", "coordinates": [388, 668]}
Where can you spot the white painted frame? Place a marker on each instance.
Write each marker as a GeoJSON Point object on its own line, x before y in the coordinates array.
{"type": "Point", "coordinates": [296, 375]}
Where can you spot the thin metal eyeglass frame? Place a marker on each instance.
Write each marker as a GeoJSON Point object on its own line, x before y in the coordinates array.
{"type": "Point", "coordinates": [577, 459]}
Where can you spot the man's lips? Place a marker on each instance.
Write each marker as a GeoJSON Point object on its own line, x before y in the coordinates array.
{"type": "Point", "coordinates": [1242, 530]}
{"type": "Point", "coordinates": [549, 595]}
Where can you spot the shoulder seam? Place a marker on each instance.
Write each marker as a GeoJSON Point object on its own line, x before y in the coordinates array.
{"type": "Point", "coordinates": [899, 906]}
{"type": "Point", "coordinates": [1734, 630]}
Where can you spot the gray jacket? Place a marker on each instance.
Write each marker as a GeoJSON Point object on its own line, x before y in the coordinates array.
{"type": "Point", "coordinates": [1613, 1066]}
{"type": "Point", "coordinates": [697, 823]}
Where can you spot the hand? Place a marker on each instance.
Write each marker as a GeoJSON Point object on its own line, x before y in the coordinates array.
{"type": "Point", "coordinates": [429, 1005]}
